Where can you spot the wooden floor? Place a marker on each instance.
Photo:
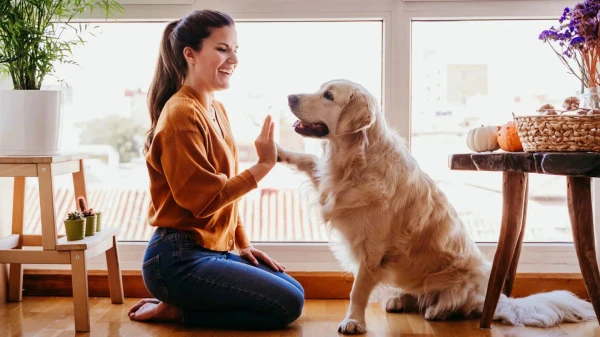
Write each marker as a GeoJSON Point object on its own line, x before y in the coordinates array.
{"type": "Point", "coordinates": [53, 317]}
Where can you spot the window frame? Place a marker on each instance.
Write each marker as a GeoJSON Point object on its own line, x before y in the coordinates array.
{"type": "Point", "coordinates": [396, 16]}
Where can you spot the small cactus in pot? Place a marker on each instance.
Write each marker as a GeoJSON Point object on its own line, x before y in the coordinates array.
{"type": "Point", "coordinates": [98, 222]}
{"type": "Point", "coordinates": [75, 226]}
{"type": "Point", "coordinates": [89, 215]}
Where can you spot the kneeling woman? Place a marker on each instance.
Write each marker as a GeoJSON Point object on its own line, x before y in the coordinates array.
{"type": "Point", "coordinates": [192, 162]}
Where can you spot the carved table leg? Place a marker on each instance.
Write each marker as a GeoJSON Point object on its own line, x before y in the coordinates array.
{"type": "Point", "coordinates": [512, 272]}
{"type": "Point", "coordinates": [513, 201]}
{"type": "Point", "coordinates": [579, 197]}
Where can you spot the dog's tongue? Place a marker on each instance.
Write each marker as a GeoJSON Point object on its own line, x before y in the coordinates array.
{"type": "Point", "coordinates": [310, 129]}
{"type": "Point", "coordinates": [300, 125]}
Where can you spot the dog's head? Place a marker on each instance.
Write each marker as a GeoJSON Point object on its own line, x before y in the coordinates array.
{"type": "Point", "coordinates": [338, 108]}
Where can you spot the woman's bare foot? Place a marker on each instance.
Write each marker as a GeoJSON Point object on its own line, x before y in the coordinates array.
{"type": "Point", "coordinates": [142, 302]}
{"type": "Point", "coordinates": [151, 309]}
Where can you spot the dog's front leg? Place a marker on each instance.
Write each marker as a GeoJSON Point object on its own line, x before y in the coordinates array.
{"type": "Point", "coordinates": [303, 162]}
{"type": "Point", "coordinates": [366, 279]}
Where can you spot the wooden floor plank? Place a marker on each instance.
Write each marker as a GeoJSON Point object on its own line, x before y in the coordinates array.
{"type": "Point", "coordinates": [53, 317]}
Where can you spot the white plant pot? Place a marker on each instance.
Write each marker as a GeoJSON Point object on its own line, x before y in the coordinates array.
{"type": "Point", "coordinates": [30, 122]}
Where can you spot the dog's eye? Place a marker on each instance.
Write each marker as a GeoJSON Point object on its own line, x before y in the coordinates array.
{"type": "Point", "coordinates": [328, 95]}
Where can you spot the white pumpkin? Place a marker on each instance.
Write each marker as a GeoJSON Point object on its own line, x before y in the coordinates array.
{"type": "Point", "coordinates": [484, 138]}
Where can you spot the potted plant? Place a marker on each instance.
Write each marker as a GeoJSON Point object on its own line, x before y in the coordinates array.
{"type": "Point", "coordinates": [98, 221]}
{"type": "Point", "coordinates": [75, 226]}
{"type": "Point", "coordinates": [32, 43]}
{"type": "Point", "coordinates": [90, 217]}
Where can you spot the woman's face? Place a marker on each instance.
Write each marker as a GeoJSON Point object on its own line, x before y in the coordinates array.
{"type": "Point", "coordinates": [212, 66]}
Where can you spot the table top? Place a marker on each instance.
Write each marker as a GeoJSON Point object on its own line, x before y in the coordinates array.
{"type": "Point", "coordinates": [579, 164]}
{"type": "Point", "coordinates": [40, 159]}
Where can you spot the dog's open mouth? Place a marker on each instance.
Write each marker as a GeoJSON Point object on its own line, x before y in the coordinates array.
{"type": "Point", "coordinates": [310, 129]}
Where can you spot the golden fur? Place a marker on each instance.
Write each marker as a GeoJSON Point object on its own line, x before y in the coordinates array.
{"type": "Point", "coordinates": [397, 229]}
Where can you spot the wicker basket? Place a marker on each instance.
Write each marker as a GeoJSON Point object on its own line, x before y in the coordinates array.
{"type": "Point", "coordinates": [565, 133]}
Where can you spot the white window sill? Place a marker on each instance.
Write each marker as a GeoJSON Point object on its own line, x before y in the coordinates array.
{"type": "Point", "coordinates": [317, 257]}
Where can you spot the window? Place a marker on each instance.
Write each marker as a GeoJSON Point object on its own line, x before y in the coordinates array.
{"type": "Point", "coordinates": [106, 116]}
{"type": "Point", "coordinates": [382, 47]}
{"type": "Point", "coordinates": [471, 73]}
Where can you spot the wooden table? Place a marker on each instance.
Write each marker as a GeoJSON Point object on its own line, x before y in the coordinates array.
{"type": "Point", "coordinates": [51, 248]}
{"type": "Point", "coordinates": [578, 168]}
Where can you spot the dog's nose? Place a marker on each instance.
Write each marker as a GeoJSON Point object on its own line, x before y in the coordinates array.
{"type": "Point", "coordinates": [293, 100]}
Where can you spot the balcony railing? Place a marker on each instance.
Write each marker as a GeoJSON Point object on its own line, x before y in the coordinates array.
{"type": "Point", "coordinates": [268, 214]}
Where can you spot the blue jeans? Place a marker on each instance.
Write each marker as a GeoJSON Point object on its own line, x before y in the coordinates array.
{"type": "Point", "coordinates": [218, 289]}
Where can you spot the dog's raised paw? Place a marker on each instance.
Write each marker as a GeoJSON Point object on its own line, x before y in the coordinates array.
{"type": "Point", "coordinates": [352, 327]}
{"type": "Point", "coordinates": [283, 156]}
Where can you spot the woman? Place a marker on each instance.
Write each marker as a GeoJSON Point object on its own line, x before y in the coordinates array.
{"type": "Point", "coordinates": [195, 185]}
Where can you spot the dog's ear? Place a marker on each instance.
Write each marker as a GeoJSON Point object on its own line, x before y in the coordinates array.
{"type": "Point", "coordinates": [358, 114]}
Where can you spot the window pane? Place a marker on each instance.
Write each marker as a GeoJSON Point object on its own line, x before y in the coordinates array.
{"type": "Point", "coordinates": [471, 73]}
{"type": "Point", "coordinates": [106, 116]}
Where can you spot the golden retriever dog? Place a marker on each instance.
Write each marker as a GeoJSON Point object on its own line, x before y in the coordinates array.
{"type": "Point", "coordinates": [396, 227]}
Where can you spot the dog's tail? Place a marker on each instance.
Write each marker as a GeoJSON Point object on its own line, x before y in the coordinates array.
{"type": "Point", "coordinates": [544, 309]}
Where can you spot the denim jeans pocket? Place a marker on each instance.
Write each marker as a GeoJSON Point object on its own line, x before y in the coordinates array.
{"type": "Point", "coordinates": [153, 279]}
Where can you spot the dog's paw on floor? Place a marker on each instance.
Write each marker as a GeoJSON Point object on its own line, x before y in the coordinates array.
{"type": "Point", "coordinates": [402, 303]}
{"type": "Point", "coordinates": [352, 327]}
{"type": "Point", "coordinates": [394, 304]}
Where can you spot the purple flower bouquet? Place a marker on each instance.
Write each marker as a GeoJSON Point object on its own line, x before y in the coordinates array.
{"type": "Point", "coordinates": [577, 39]}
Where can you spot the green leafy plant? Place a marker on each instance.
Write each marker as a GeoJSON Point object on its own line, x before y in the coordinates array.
{"type": "Point", "coordinates": [31, 36]}
{"type": "Point", "coordinates": [76, 215]}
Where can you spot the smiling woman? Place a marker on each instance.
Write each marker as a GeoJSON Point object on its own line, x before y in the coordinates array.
{"type": "Point", "coordinates": [195, 183]}
{"type": "Point", "coordinates": [181, 61]}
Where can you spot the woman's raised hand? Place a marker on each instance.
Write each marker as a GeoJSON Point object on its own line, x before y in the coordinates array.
{"type": "Point", "coordinates": [265, 143]}
{"type": "Point", "coordinates": [265, 149]}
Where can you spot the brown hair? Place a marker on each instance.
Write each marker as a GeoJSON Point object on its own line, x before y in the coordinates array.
{"type": "Point", "coordinates": [171, 68]}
